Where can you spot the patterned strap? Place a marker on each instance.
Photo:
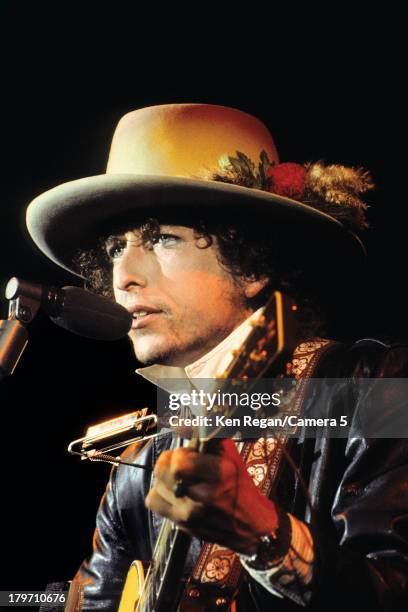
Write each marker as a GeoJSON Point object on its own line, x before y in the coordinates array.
{"type": "Point", "coordinates": [215, 579]}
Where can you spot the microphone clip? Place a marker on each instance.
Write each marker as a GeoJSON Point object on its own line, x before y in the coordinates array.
{"type": "Point", "coordinates": [25, 302]}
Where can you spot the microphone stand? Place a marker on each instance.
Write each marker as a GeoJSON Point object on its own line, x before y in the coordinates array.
{"type": "Point", "coordinates": [25, 301]}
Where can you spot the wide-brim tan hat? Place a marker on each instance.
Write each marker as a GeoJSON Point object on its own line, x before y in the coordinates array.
{"type": "Point", "coordinates": [161, 165]}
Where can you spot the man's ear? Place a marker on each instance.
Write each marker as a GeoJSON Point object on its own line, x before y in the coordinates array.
{"type": "Point", "coordinates": [254, 286]}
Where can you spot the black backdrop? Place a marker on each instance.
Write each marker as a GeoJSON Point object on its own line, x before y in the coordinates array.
{"type": "Point", "coordinates": [329, 85]}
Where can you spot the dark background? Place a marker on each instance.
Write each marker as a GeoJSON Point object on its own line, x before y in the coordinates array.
{"type": "Point", "coordinates": [329, 85]}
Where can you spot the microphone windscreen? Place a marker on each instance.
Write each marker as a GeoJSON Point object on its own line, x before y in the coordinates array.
{"type": "Point", "coordinates": [93, 316]}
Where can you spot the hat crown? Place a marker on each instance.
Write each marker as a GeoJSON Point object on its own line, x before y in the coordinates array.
{"type": "Point", "coordinates": [185, 139]}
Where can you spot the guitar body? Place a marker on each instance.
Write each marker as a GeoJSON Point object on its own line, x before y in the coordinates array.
{"type": "Point", "coordinates": [133, 588]}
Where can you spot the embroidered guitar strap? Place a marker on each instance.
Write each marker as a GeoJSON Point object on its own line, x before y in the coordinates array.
{"type": "Point", "coordinates": [215, 579]}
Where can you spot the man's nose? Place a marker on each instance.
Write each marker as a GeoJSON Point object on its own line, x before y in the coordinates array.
{"type": "Point", "coordinates": [132, 268]}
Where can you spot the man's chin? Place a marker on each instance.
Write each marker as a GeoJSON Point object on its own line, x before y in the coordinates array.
{"type": "Point", "coordinates": [148, 352]}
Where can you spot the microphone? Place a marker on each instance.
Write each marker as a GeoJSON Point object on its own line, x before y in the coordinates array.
{"type": "Point", "coordinates": [77, 310]}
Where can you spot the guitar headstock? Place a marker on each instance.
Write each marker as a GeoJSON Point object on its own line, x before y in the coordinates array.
{"type": "Point", "coordinates": [269, 347]}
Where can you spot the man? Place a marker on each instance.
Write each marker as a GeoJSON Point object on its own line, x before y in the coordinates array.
{"type": "Point", "coordinates": [198, 224]}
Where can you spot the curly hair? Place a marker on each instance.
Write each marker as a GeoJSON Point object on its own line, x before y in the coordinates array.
{"type": "Point", "coordinates": [246, 251]}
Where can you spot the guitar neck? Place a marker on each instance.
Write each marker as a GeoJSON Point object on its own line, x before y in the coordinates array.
{"type": "Point", "coordinates": [164, 580]}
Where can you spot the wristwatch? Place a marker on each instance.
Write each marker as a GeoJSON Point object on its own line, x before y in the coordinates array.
{"type": "Point", "coordinates": [272, 547]}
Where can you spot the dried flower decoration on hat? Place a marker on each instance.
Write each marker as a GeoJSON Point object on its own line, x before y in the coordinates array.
{"type": "Point", "coordinates": [333, 189]}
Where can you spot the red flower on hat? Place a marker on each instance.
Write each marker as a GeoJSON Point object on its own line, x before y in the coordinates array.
{"type": "Point", "coordinates": [286, 179]}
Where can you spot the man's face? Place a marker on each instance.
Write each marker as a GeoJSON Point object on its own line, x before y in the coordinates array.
{"type": "Point", "coordinates": [183, 300]}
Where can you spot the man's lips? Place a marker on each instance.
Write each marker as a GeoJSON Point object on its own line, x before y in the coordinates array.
{"type": "Point", "coordinates": [143, 315]}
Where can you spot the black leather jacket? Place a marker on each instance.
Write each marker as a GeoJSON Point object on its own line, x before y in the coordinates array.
{"type": "Point", "coordinates": [359, 489]}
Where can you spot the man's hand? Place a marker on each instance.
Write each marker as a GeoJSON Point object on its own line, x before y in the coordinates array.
{"type": "Point", "coordinates": [221, 505]}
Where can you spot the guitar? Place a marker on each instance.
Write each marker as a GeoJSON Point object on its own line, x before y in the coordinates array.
{"type": "Point", "coordinates": [268, 349]}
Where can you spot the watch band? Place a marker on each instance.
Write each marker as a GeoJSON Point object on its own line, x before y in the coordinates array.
{"type": "Point", "coordinates": [272, 547]}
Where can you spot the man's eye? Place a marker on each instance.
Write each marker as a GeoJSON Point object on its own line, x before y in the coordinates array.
{"type": "Point", "coordinates": [115, 249]}
{"type": "Point", "coordinates": [166, 240]}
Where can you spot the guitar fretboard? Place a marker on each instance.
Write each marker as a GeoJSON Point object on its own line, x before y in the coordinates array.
{"type": "Point", "coordinates": [172, 545]}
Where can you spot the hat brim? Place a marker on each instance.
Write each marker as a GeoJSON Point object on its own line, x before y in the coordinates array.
{"type": "Point", "coordinates": [70, 216]}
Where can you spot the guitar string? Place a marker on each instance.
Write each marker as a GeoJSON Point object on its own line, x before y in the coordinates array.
{"type": "Point", "coordinates": [160, 553]}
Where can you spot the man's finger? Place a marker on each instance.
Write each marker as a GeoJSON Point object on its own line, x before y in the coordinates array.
{"type": "Point", "coordinates": [156, 503]}
{"type": "Point", "coordinates": [163, 502]}
{"type": "Point", "coordinates": [191, 467]}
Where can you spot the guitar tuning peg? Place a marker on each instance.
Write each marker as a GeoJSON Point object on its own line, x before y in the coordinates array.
{"type": "Point", "coordinates": [260, 322]}
{"type": "Point", "coordinates": [239, 381]}
{"type": "Point", "coordinates": [258, 355]}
